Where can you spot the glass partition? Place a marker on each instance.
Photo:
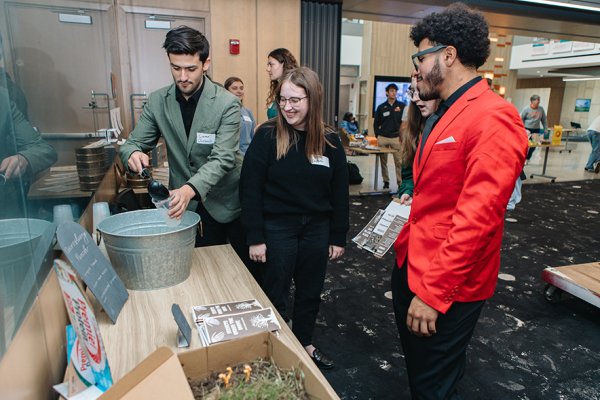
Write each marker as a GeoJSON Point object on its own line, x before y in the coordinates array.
{"type": "Point", "coordinates": [56, 96]}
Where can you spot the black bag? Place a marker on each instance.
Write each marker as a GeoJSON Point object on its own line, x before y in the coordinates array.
{"type": "Point", "coordinates": [354, 176]}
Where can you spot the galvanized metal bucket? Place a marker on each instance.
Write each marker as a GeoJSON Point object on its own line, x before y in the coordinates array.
{"type": "Point", "coordinates": [147, 253]}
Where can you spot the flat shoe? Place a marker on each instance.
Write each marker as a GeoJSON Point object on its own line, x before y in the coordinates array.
{"type": "Point", "coordinates": [321, 360]}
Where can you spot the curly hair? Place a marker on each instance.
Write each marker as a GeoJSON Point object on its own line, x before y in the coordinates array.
{"type": "Point", "coordinates": [457, 26]}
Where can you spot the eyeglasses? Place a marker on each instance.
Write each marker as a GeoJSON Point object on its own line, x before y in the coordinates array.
{"type": "Point", "coordinates": [417, 58]}
{"type": "Point", "coordinates": [294, 101]}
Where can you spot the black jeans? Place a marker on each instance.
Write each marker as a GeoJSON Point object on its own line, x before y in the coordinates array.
{"type": "Point", "coordinates": [434, 364]}
{"type": "Point", "coordinates": [212, 233]}
{"type": "Point", "coordinates": [298, 249]}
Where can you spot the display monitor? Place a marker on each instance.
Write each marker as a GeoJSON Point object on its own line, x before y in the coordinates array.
{"type": "Point", "coordinates": [381, 82]}
{"type": "Point", "coordinates": [583, 105]}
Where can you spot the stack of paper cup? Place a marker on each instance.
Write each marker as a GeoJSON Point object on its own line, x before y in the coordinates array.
{"type": "Point", "coordinates": [62, 213]}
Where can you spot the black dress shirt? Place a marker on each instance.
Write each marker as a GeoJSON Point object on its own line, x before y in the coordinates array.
{"type": "Point", "coordinates": [188, 107]}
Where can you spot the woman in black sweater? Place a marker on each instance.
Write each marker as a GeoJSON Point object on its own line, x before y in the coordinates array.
{"type": "Point", "coordinates": [294, 194]}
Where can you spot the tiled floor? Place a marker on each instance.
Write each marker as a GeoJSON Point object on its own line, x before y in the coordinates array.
{"type": "Point", "coordinates": [563, 165]}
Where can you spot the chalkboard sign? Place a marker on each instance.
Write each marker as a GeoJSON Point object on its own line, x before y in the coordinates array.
{"type": "Point", "coordinates": [91, 265]}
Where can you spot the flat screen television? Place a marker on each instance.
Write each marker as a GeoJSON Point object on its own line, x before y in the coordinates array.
{"type": "Point", "coordinates": [583, 105]}
{"type": "Point", "coordinates": [381, 82]}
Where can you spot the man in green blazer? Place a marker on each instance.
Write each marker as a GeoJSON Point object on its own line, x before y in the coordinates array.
{"type": "Point", "coordinates": [200, 123]}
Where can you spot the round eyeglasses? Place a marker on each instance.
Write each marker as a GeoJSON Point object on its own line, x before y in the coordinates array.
{"type": "Point", "coordinates": [294, 101]}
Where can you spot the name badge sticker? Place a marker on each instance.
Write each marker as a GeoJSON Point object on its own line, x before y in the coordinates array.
{"type": "Point", "coordinates": [247, 118]}
{"type": "Point", "coordinates": [322, 161]}
{"type": "Point", "coordinates": [205, 138]}
{"type": "Point", "coordinates": [387, 113]}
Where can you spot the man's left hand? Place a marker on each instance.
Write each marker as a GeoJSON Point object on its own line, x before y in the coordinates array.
{"type": "Point", "coordinates": [180, 198]}
{"type": "Point", "coordinates": [335, 252]}
{"type": "Point", "coordinates": [14, 166]}
{"type": "Point", "coordinates": [421, 318]}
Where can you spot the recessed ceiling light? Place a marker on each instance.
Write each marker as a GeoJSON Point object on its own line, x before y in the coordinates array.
{"type": "Point", "coordinates": [499, 59]}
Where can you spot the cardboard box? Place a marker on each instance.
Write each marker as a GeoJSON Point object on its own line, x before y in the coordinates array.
{"type": "Point", "coordinates": [164, 375]}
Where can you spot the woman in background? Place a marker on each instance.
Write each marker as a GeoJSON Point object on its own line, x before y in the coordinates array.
{"type": "Point", "coordinates": [349, 124]}
{"type": "Point", "coordinates": [418, 112]}
{"type": "Point", "coordinates": [236, 86]}
{"type": "Point", "coordinates": [279, 62]}
{"type": "Point", "coordinates": [294, 195]}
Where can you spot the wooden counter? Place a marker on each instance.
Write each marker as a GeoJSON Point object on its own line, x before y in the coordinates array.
{"type": "Point", "coordinates": [146, 322]}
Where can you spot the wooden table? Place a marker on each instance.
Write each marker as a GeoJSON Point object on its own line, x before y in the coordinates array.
{"type": "Point", "coordinates": [582, 280]}
{"type": "Point", "coordinates": [146, 322]}
{"type": "Point", "coordinates": [547, 146]}
{"type": "Point", "coordinates": [383, 150]}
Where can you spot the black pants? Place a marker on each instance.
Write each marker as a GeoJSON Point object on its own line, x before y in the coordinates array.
{"type": "Point", "coordinates": [434, 364]}
{"type": "Point", "coordinates": [214, 233]}
{"type": "Point", "coordinates": [532, 149]}
{"type": "Point", "coordinates": [297, 248]}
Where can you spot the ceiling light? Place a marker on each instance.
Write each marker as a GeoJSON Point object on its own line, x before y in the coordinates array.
{"type": "Point", "coordinates": [561, 4]}
{"type": "Point", "coordinates": [499, 59]}
{"type": "Point", "coordinates": [580, 79]}
{"type": "Point", "coordinates": [493, 39]}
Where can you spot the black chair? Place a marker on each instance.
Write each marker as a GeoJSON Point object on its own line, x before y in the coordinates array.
{"type": "Point", "coordinates": [575, 125]}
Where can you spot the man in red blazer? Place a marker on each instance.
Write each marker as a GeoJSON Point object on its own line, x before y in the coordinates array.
{"type": "Point", "coordinates": [469, 157]}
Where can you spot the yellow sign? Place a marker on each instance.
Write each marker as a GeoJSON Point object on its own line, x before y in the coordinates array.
{"type": "Point", "coordinates": [557, 134]}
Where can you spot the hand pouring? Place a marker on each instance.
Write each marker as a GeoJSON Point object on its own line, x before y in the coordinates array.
{"type": "Point", "coordinates": [156, 190]}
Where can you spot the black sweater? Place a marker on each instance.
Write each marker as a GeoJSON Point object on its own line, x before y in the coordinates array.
{"type": "Point", "coordinates": [292, 185]}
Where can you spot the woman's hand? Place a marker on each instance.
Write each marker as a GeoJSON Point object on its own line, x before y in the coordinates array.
{"type": "Point", "coordinates": [406, 199]}
{"type": "Point", "coordinates": [335, 252]}
{"type": "Point", "coordinates": [258, 252]}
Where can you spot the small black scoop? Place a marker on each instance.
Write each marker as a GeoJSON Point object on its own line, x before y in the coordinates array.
{"type": "Point", "coordinates": [156, 190]}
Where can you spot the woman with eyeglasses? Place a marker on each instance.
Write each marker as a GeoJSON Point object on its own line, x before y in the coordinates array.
{"type": "Point", "coordinates": [236, 86]}
{"type": "Point", "coordinates": [279, 62]}
{"type": "Point", "coordinates": [294, 196]}
{"type": "Point", "coordinates": [418, 112]}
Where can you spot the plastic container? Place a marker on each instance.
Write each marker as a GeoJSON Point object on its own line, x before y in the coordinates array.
{"type": "Point", "coordinates": [145, 252]}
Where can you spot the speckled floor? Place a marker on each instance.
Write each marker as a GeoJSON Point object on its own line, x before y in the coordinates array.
{"type": "Point", "coordinates": [523, 347]}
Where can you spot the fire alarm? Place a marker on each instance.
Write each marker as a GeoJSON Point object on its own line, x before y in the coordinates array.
{"type": "Point", "coordinates": [234, 46]}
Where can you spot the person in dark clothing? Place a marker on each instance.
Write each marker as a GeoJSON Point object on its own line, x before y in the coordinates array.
{"type": "Point", "coordinates": [418, 112]}
{"type": "Point", "coordinates": [388, 118]}
{"type": "Point", "coordinates": [294, 196]}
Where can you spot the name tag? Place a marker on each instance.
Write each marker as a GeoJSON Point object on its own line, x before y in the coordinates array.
{"type": "Point", "coordinates": [322, 161]}
{"type": "Point", "coordinates": [387, 113]}
{"type": "Point", "coordinates": [205, 138]}
{"type": "Point", "coordinates": [246, 118]}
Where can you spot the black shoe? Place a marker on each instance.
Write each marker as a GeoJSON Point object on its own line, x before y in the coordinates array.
{"type": "Point", "coordinates": [386, 185]}
{"type": "Point", "coordinates": [321, 360]}
{"type": "Point", "coordinates": [589, 169]}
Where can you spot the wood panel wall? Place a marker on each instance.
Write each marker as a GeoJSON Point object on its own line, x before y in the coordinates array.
{"type": "Point", "coordinates": [387, 50]}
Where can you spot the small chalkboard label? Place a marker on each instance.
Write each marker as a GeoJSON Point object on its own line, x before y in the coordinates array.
{"type": "Point", "coordinates": [184, 334]}
{"type": "Point", "coordinates": [91, 265]}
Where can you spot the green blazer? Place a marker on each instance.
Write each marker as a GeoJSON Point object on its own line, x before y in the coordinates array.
{"type": "Point", "coordinates": [208, 159]}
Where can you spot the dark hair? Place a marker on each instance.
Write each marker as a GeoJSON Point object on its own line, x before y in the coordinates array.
{"type": "Point", "coordinates": [308, 80]}
{"type": "Point", "coordinates": [231, 80]}
{"type": "Point", "coordinates": [534, 98]}
{"type": "Point", "coordinates": [347, 116]}
{"type": "Point", "coordinates": [457, 26]}
{"type": "Point", "coordinates": [391, 86]}
{"type": "Point", "coordinates": [186, 40]}
{"type": "Point", "coordinates": [289, 62]}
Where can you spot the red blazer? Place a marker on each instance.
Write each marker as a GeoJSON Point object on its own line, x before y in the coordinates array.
{"type": "Point", "coordinates": [463, 181]}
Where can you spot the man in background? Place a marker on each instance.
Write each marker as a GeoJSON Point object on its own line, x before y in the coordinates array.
{"type": "Point", "coordinates": [388, 118]}
{"type": "Point", "coordinates": [593, 131]}
{"type": "Point", "coordinates": [534, 119]}
{"type": "Point", "coordinates": [448, 253]}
